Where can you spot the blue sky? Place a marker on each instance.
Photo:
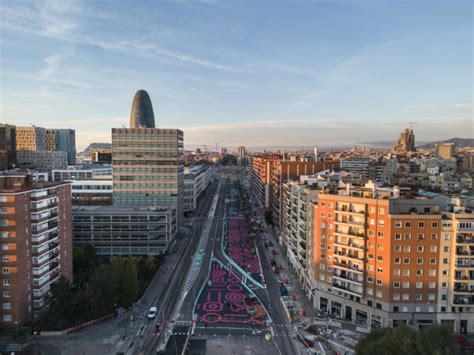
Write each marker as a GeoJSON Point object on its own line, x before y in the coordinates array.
{"type": "Point", "coordinates": [241, 72]}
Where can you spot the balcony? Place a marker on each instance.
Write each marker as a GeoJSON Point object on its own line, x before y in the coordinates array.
{"type": "Point", "coordinates": [464, 263]}
{"type": "Point", "coordinates": [349, 244]}
{"type": "Point", "coordinates": [350, 233]}
{"type": "Point", "coordinates": [348, 288]}
{"type": "Point", "coordinates": [350, 221]}
{"type": "Point", "coordinates": [461, 239]}
{"type": "Point", "coordinates": [347, 266]}
{"type": "Point", "coordinates": [459, 276]}
{"type": "Point", "coordinates": [463, 300]}
{"type": "Point", "coordinates": [349, 254]}
{"type": "Point", "coordinates": [345, 209]}
{"type": "Point", "coordinates": [345, 276]}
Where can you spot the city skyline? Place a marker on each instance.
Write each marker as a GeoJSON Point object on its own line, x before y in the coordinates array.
{"type": "Point", "coordinates": [219, 70]}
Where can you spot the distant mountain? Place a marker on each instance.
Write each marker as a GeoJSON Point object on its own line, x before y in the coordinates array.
{"type": "Point", "coordinates": [91, 146]}
{"type": "Point", "coordinates": [459, 142]}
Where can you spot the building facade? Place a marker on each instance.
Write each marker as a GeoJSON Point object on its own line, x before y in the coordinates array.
{"type": "Point", "coordinates": [42, 161]}
{"type": "Point", "coordinates": [7, 146]}
{"type": "Point", "coordinates": [30, 138]}
{"type": "Point", "coordinates": [148, 167]}
{"type": "Point", "coordinates": [35, 228]}
{"type": "Point", "coordinates": [385, 259]}
{"type": "Point", "coordinates": [196, 180]}
{"type": "Point", "coordinates": [125, 230]}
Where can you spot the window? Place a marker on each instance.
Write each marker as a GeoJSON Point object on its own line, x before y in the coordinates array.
{"type": "Point", "coordinates": [323, 246]}
{"type": "Point", "coordinates": [421, 236]}
{"type": "Point", "coordinates": [443, 309]}
{"type": "Point", "coordinates": [419, 272]}
{"type": "Point", "coordinates": [371, 256]}
{"type": "Point", "coordinates": [396, 297]}
{"type": "Point", "coordinates": [434, 236]}
{"type": "Point", "coordinates": [370, 291]}
{"type": "Point", "coordinates": [446, 261]}
{"type": "Point", "coordinates": [445, 272]}
{"type": "Point", "coordinates": [7, 306]}
{"type": "Point", "coordinates": [370, 279]}
{"type": "Point", "coordinates": [446, 249]}
{"type": "Point", "coordinates": [370, 267]}
{"type": "Point", "coordinates": [433, 261]}
{"type": "Point", "coordinates": [406, 284]}
{"type": "Point", "coordinates": [398, 236]}
{"type": "Point", "coordinates": [444, 285]}
{"type": "Point", "coordinates": [407, 236]}
{"type": "Point", "coordinates": [406, 272]}
{"type": "Point", "coordinates": [396, 272]}
{"type": "Point", "coordinates": [420, 249]}
{"type": "Point", "coordinates": [381, 222]}
{"type": "Point", "coordinates": [406, 261]}
{"type": "Point", "coordinates": [6, 282]}
{"type": "Point", "coordinates": [7, 317]}
{"type": "Point", "coordinates": [444, 297]}
{"type": "Point", "coordinates": [434, 224]}
{"type": "Point", "coordinates": [380, 234]}
{"type": "Point", "coordinates": [418, 309]}
{"type": "Point", "coordinates": [407, 224]}
{"type": "Point", "coordinates": [397, 261]}
{"type": "Point", "coordinates": [430, 309]}
{"type": "Point", "coordinates": [432, 284]}
{"type": "Point", "coordinates": [379, 269]}
{"type": "Point", "coordinates": [372, 209]}
{"type": "Point", "coordinates": [396, 284]}
{"type": "Point", "coordinates": [407, 248]}
{"type": "Point", "coordinates": [372, 222]}
{"type": "Point", "coordinates": [419, 261]}
{"type": "Point", "coordinates": [395, 309]}
{"type": "Point", "coordinates": [404, 309]}
{"type": "Point", "coordinates": [418, 296]}
{"type": "Point", "coordinates": [433, 249]}
{"type": "Point", "coordinates": [431, 297]}
{"type": "Point", "coordinates": [398, 248]}
{"type": "Point", "coordinates": [405, 297]}
{"type": "Point", "coordinates": [378, 294]}
{"type": "Point", "coordinates": [421, 224]}
{"type": "Point", "coordinates": [419, 284]}
{"type": "Point", "coordinates": [5, 270]}
{"type": "Point", "coordinates": [379, 258]}
{"type": "Point", "coordinates": [381, 210]}
{"type": "Point", "coordinates": [379, 282]}
{"type": "Point", "coordinates": [322, 277]}
{"type": "Point", "coordinates": [322, 266]}
{"type": "Point", "coordinates": [398, 224]}
{"type": "Point", "coordinates": [7, 294]}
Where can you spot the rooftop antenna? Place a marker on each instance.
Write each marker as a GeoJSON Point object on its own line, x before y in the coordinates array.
{"type": "Point", "coordinates": [412, 124]}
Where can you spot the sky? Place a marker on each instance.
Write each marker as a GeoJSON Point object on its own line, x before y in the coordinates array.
{"type": "Point", "coordinates": [254, 73]}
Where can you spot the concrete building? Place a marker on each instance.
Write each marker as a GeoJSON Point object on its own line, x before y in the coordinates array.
{"type": "Point", "coordinates": [43, 161]}
{"type": "Point", "coordinates": [148, 167]}
{"type": "Point", "coordinates": [101, 156]}
{"type": "Point", "coordinates": [102, 172]}
{"type": "Point", "coordinates": [66, 142]}
{"type": "Point", "coordinates": [382, 259]}
{"type": "Point", "coordinates": [445, 150]}
{"type": "Point", "coordinates": [7, 146]}
{"type": "Point", "coordinates": [241, 152]}
{"type": "Point", "coordinates": [141, 115]}
{"type": "Point", "coordinates": [92, 192]}
{"type": "Point", "coordinates": [260, 178]}
{"type": "Point", "coordinates": [125, 230]}
{"type": "Point", "coordinates": [35, 228]}
{"type": "Point", "coordinates": [30, 138]}
{"type": "Point", "coordinates": [356, 165]}
{"type": "Point", "coordinates": [196, 180]}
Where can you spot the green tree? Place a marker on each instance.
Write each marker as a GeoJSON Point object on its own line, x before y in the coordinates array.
{"type": "Point", "coordinates": [146, 268]}
{"type": "Point", "coordinates": [125, 280]}
{"type": "Point", "coordinates": [434, 339]}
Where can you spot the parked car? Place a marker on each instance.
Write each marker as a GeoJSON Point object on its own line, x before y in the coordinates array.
{"type": "Point", "coordinates": [152, 312]}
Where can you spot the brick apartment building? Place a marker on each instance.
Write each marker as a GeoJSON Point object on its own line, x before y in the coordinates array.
{"type": "Point", "coordinates": [382, 259]}
{"type": "Point", "coordinates": [36, 243]}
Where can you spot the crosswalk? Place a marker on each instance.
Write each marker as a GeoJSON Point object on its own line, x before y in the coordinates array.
{"type": "Point", "coordinates": [13, 347]}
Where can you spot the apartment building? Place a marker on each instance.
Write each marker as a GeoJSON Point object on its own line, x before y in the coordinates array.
{"type": "Point", "coordinates": [260, 178]}
{"type": "Point", "coordinates": [285, 170]}
{"type": "Point", "coordinates": [296, 231]}
{"type": "Point", "coordinates": [125, 230]}
{"type": "Point", "coordinates": [36, 238]}
{"type": "Point", "coordinates": [382, 259]}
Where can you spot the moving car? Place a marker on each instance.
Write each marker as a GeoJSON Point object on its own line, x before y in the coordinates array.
{"type": "Point", "coordinates": [152, 312]}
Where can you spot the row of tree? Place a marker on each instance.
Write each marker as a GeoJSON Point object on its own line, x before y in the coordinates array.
{"type": "Point", "coordinates": [432, 340]}
{"type": "Point", "coordinates": [100, 287]}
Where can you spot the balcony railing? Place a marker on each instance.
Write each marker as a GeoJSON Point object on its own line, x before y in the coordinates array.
{"type": "Point", "coordinates": [463, 300]}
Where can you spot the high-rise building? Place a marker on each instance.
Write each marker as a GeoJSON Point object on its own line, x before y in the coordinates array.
{"type": "Point", "coordinates": [241, 152]}
{"type": "Point", "coordinates": [62, 140]}
{"type": "Point", "coordinates": [315, 153]}
{"type": "Point", "coordinates": [223, 151]}
{"type": "Point", "coordinates": [382, 258]}
{"type": "Point", "coordinates": [35, 228]}
{"type": "Point", "coordinates": [406, 142]}
{"type": "Point", "coordinates": [445, 150]}
{"type": "Point", "coordinates": [7, 146]}
{"type": "Point", "coordinates": [148, 167]}
{"type": "Point", "coordinates": [42, 161]}
{"type": "Point", "coordinates": [30, 138]}
{"type": "Point", "coordinates": [142, 115]}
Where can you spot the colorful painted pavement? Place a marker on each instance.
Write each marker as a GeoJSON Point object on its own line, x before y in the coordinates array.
{"type": "Point", "coordinates": [242, 249]}
{"type": "Point", "coordinates": [225, 301]}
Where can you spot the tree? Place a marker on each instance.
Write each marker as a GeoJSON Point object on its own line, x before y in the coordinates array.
{"type": "Point", "coordinates": [434, 339]}
{"type": "Point", "coordinates": [146, 270]}
{"type": "Point", "coordinates": [125, 280]}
